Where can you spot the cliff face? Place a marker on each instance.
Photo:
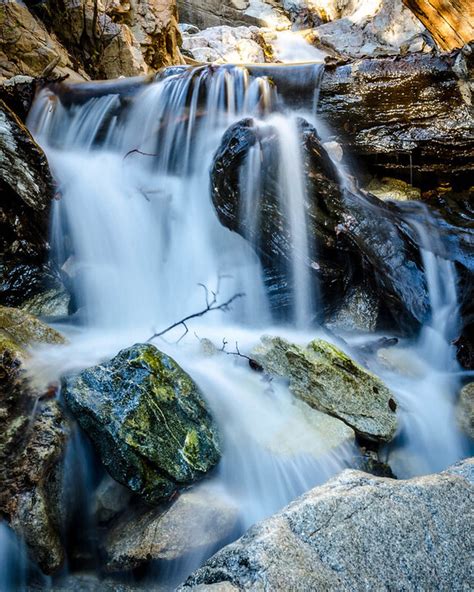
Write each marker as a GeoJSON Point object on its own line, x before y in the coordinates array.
{"type": "Point", "coordinates": [89, 38]}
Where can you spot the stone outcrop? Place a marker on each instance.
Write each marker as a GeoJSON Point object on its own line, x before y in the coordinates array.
{"type": "Point", "coordinates": [450, 22]}
{"type": "Point", "coordinates": [465, 410]}
{"type": "Point", "coordinates": [198, 521]}
{"type": "Point", "coordinates": [327, 379]}
{"type": "Point", "coordinates": [26, 192]}
{"type": "Point", "coordinates": [147, 420]}
{"type": "Point", "coordinates": [33, 434]}
{"type": "Point", "coordinates": [357, 532]}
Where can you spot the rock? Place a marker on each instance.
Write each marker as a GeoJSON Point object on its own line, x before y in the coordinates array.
{"type": "Point", "coordinates": [26, 47]}
{"type": "Point", "coordinates": [117, 39]}
{"type": "Point", "coordinates": [383, 27]}
{"type": "Point", "coordinates": [26, 188]}
{"type": "Point", "coordinates": [359, 311]}
{"type": "Point", "coordinates": [357, 532]}
{"type": "Point", "coordinates": [327, 379]}
{"type": "Point", "coordinates": [147, 420]}
{"type": "Point", "coordinates": [450, 22]}
{"type": "Point", "coordinates": [465, 410]}
{"type": "Point", "coordinates": [405, 116]}
{"type": "Point", "coordinates": [233, 13]}
{"type": "Point", "coordinates": [225, 45]}
{"type": "Point", "coordinates": [196, 522]}
{"type": "Point", "coordinates": [110, 500]}
{"type": "Point", "coordinates": [51, 303]}
{"type": "Point", "coordinates": [351, 234]}
{"type": "Point", "coordinates": [33, 433]}
{"type": "Point", "coordinates": [388, 189]}
{"type": "Point", "coordinates": [18, 93]}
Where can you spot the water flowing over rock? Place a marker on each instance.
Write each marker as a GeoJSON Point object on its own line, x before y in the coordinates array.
{"type": "Point", "coordinates": [327, 379]}
{"type": "Point", "coordinates": [33, 433]}
{"type": "Point", "coordinates": [357, 532]}
{"type": "Point", "coordinates": [147, 419]}
{"type": "Point", "coordinates": [197, 521]}
{"type": "Point", "coordinates": [352, 234]}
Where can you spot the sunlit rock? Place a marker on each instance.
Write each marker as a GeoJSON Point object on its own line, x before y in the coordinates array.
{"type": "Point", "coordinates": [328, 380]}
{"type": "Point", "coordinates": [389, 189]}
{"type": "Point", "coordinates": [198, 521]}
{"type": "Point", "coordinates": [147, 419]}
{"type": "Point", "coordinates": [357, 530]}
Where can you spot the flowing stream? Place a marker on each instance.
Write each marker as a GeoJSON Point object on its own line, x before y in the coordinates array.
{"type": "Point", "coordinates": [137, 233]}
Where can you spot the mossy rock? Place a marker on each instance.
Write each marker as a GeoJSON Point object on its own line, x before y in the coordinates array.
{"type": "Point", "coordinates": [147, 419]}
{"type": "Point", "coordinates": [327, 379]}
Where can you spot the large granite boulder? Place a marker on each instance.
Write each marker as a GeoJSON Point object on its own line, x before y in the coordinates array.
{"type": "Point", "coordinates": [33, 435]}
{"type": "Point", "coordinates": [357, 532]}
{"type": "Point", "coordinates": [327, 379]}
{"type": "Point", "coordinates": [465, 410]}
{"type": "Point", "coordinates": [197, 521]}
{"type": "Point", "coordinates": [147, 419]}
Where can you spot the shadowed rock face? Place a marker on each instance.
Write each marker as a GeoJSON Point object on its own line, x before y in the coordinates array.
{"type": "Point", "coordinates": [355, 532]}
{"type": "Point", "coordinates": [405, 115]}
{"type": "Point", "coordinates": [147, 419]}
{"type": "Point", "coordinates": [26, 191]}
{"type": "Point", "coordinates": [354, 236]}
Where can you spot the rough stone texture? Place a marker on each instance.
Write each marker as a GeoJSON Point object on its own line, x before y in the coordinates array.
{"type": "Point", "coordinates": [110, 500]}
{"type": "Point", "coordinates": [465, 410]}
{"type": "Point", "coordinates": [225, 44]}
{"type": "Point", "coordinates": [111, 39]}
{"type": "Point", "coordinates": [234, 13]}
{"type": "Point", "coordinates": [327, 379]}
{"type": "Point", "coordinates": [357, 533]}
{"type": "Point", "coordinates": [451, 22]}
{"type": "Point", "coordinates": [147, 419]}
{"type": "Point", "coordinates": [33, 434]}
{"type": "Point", "coordinates": [389, 189]}
{"type": "Point", "coordinates": [26, 47]}
{"type": "Point", "coordinates": [410, 116]}
{"type": "Point", "coordinates": [381, 27]}
{"type": "Point", "coordinates": [26, 191]}
{"type": "Point", "coordinates": [197, 521]}
{"type": "Point", "coordinates": [18, 93]}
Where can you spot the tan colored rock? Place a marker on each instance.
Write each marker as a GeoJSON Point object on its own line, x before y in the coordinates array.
{"type": "Point", "coordinates": [26, 47]}
{"type": "Point", "coordinates": [450, 22]}
{"type": "Point", "coordinates": [390, 189]}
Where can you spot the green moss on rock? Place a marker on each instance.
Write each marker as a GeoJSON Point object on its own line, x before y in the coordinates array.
{"type": "Point", "coordinates": [326, 378]}
{"type": "Point", "coordinates": [147, 419]}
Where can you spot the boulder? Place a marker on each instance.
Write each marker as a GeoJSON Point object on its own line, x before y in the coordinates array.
{"type": "Point", "coordinates": [389, 189]}
{"type": "Point", "coordinates": [197, 521]}
{"type": "Point", "coordinates": [26, 47]}
{"type": "Point", "coordinates": [33, 434]}
{"type": "Point", "coordinates": [147, 420]}
{"type": "Point", "coordinates": [112, 39]}
{"type": "Point", "coordinates": [224, 44]}
{"type": "Point", "coordinates": [26, 190]}
{"type": "Point", "coordinates": [357, 532]}
{"type": "Point", "coordinates": [110, 500]}
{"type": "Point", "coordinates": [465, 410]}
{"type": "Point", "coordinates": [352, 235]}
{"type": "Point", "coordinates": [327, 379]}
{"type": "Point", "coordinates": [408, 116]}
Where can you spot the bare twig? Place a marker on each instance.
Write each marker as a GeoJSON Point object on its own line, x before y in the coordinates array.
{"type": "Point", "coordinates": [211, 305]}
{"type": "Point", "coordinates": [137, 151]}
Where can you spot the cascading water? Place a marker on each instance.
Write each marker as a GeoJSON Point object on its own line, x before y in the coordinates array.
{"type": "Point", "coordinates": [136, 231]}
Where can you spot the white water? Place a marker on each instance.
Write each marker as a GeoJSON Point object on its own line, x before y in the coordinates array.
{"type": "Point", "coordinates": [138, 234]}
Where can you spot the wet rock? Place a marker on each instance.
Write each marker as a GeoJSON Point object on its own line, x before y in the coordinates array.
{"type": "Point", "coordinates": [406, 116]}
{"type": "Point", "coordinates": [18, 93]}
{"type": "Point", "coordinates": [351, 235]}
{"type": "Point", "coordinates": [50, 303]}
{"type": "Point", "coordinates": [147, 419]}
{"type": "Point", "coordinates": [359, 311]}
{"type": "Point", "coordinates": [110, 500]}
{"type": "Point", "coordinates": [26, 190]}
{"type": "Point", "coordinates": [465, 410]}
{"type": "Point", "coordinates": [196, 522]}
{"type": "Point", "coordinates": [327, 379]}
{"type": "Point", "coordinates": [33, 434]}
{"type": "Point", "coordinates": [369, 462]}
{"type": "Point", "coordinates": [356, 531]}
{"type": "Point", "coordinates": [388, 189]}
